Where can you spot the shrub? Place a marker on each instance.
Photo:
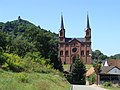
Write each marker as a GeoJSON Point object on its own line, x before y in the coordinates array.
{"type": "Point", "coordinates": [13, 62]}
{"type": "Point", "coordinates": [92, 78]}
{"type": "Point", "coordinates": [23, 77]}
{"type": "Point", "coordinates": [107, 84]}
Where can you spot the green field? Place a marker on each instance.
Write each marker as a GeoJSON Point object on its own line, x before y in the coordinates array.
{"type": "Point", "coordinates": [32, 81]}
{"type": "Point", "coordinates": [66, 67]}
{"type": "Point", "coordinates": [88, 66]}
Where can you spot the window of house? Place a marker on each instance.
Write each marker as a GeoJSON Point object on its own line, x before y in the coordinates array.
{"type": "Point", "coordinates": [61, 45]}
{"type": "Point", "coordinates": [61, 39]}
{"type": "Point", "coordinates": [66, 53]}
{"type": "Point", "coordinates": [61, 53]}
{"type": "Point", "coordinates": [87, 53]}
{"type": "Point", "coordinates": [82, 53]}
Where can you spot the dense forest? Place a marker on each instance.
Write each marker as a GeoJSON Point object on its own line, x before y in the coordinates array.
{"type": "Point", "coordinates": [26, 47]}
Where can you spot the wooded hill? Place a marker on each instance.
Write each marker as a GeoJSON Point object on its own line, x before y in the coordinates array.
{"type": "Point", "coordinates": [22, 39]}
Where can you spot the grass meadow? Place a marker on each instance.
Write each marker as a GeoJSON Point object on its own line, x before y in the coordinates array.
{"type": "Point", "coordinates": [32, 81]}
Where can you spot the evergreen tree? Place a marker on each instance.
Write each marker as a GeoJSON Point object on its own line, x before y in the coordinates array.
{"type": "Point", "coordinates": [77, 75]}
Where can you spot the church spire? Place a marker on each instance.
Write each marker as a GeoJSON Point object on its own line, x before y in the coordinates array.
{"type": "Point", "coordinates": [62, 24]}
{"type": "Point", "coordinates": [88, 24]}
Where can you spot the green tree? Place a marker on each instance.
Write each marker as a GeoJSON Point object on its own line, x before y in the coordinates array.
{"type": "Point", "coordinates": [2, 57]}
{"type": "Point", "coordinates": [77, 75]}
{"type": "Point", "coordinates": [3, 41]}
{"type": "Point", "coordinates": [92, 79]}
{"type": "Point", "coordinates": [97, 67]}
{"type": "Point", "coordinates": [97, 54]}
{"type": "Point", "coordinates": [116, 56]}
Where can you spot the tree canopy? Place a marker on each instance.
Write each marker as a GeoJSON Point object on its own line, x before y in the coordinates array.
{"type": "Point", "coordinates": [97, 54]}
{"type": "Point", "coordinates": [20, 37]}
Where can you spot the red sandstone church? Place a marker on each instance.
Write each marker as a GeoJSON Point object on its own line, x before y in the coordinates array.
{"type": "Point", "coordinates": [69, 48]}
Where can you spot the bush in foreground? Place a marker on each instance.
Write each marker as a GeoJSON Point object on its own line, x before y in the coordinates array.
{"type": "Point", "coordinates": [92, 79]}
{"type": "Point", "coordinates": [107, 84]}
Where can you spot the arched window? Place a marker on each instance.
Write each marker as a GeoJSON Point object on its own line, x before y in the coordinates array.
{"type": "Point", "coordinates": [61, 53]}
{"type": "Point", "coordinates": [61, 33]}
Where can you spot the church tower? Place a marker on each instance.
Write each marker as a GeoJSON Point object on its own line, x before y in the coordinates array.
{"type": "Point", "coordinates": [61, 41]}
{"type": "Point", "coordinates": [88, 31]}
{"type": "Point", "coordinates": [62, 31]}
{"type": "Point", "coordinates": [88, 50]}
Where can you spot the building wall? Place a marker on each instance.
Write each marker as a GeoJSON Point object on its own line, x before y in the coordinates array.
{"type": "Point", "coordinates": [68, 54]}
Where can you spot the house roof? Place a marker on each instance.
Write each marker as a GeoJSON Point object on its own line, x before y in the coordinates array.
{"type": "Point", "coordinates": [114, 62]}
{"type": "Point", "coordinates": [70, 39]}
{"type": "Point", "coordinates": [90, 71]}
{"type": "Point", "coordinates": [106, 69]}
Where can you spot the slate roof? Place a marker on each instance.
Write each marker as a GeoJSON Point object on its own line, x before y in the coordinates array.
{"type": "Point", "coordinates": [106, 69]}
{"type": "Point", "coordinates": [70, 39]}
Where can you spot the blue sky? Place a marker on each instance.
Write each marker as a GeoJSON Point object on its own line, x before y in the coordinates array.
{"type": "Point", "coordinates": [104, 18]}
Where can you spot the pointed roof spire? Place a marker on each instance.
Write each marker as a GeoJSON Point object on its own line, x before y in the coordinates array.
{"type": "Point", "coordinates": [106, 63]}
{"type": "Point", "coordinates": [88, 24]}
{"type": "Point", "coordinates": [62, 23]}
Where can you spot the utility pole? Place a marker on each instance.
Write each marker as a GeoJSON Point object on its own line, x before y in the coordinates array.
{"type": "Point", "coordinates": [97, 71]}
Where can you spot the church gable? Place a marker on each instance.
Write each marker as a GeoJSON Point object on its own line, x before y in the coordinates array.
{"type": "Point", "coordinates": [75, 42]}
{"type": "Point", "coordinates": [68, 40]}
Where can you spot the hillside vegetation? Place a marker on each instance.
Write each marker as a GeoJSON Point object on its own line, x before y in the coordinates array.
{"type": "Point", "coordinates": [23, 42]}
{"type": "Point", "coordinates": [32, 81]}
{"type": "Point", "coordinates": [28, 58]}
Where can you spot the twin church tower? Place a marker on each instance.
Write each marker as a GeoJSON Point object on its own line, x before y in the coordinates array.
{"type": "Point", "coordinates": [70, 48]}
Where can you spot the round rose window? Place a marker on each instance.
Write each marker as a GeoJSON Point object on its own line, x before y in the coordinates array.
{"type": "Point", "coordinates": [74, 49]}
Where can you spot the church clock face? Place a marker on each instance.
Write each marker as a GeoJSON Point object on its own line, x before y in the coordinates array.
{"type": "Point", "coordinates": [74, 50]}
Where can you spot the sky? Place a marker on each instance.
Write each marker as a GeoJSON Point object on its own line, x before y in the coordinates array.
{"type": "Point", "coordinates": [104, 18]}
